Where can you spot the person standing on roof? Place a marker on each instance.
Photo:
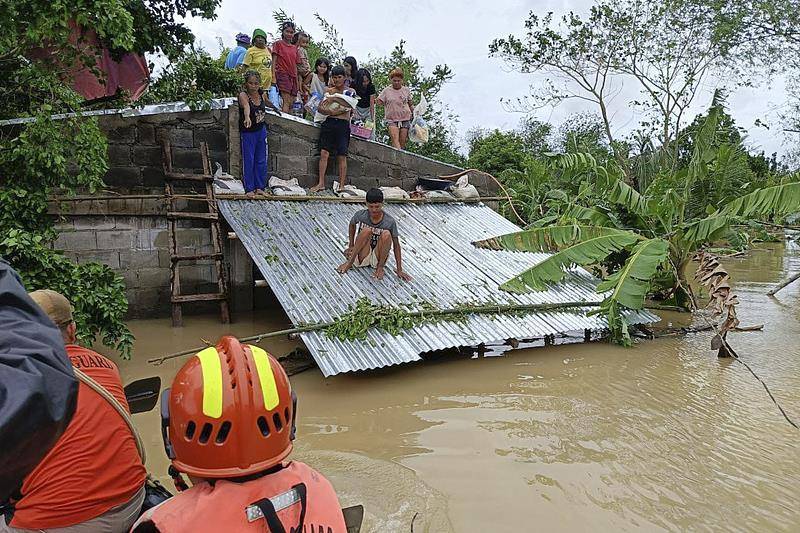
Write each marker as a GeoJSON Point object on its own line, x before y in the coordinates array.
{"type": "Point", "coordinates": [284, 59]}
{"type": "Point", "coordinates": [334, 132]}
{"type": "Point", "coordinates": [399, 110]}
{"type": "Point", "coordinates": [259, 58]}
{"type": "Point", "coordinates": [236, 56]}
{"type": "Point", "coordinates": [93, 478]}
{"type": "Point", "coordinates": [229, 424]}
{"type": "Point", "coordinates": [253, 103]}
{"type": "Point", "coordinates": [372, 235]}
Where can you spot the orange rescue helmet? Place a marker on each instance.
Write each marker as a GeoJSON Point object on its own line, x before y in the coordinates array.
{"type": "Point", "coordinates": [230, 412]}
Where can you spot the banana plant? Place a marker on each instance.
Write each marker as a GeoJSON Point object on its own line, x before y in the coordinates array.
{"type": "Point", "coordinates": [652, 231]}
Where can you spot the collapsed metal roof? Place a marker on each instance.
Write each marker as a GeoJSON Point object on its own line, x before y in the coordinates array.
{"type": "Point", "coordinates": [298, 245]}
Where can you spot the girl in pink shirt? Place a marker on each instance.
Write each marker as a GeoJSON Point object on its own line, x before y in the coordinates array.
{"type": "Point", "coordinates": [399, 110]}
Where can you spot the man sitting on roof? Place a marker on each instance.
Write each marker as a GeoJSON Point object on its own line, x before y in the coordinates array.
{"type": "Point", "coordinates": [372, 234]}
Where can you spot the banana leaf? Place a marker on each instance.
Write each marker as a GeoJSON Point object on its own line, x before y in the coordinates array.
{"type": "Point", "coordinates": [588, 251]}
{"type": "Point", "coordinates": [546, 239]}
{"type": "Point", "coordinates": [778, 200]}
{"type": "Point", "coordinates": [630, 284]}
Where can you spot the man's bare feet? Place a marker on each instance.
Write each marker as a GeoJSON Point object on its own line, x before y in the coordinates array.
{"type": "Point", "coordinates": [344, 267]}
{"type": "Point", "coordinates": [316, 188]}
{"type": "Point", "coordinates": [250, 194]}
{"type": "Point", "coordinates": [378, 273]}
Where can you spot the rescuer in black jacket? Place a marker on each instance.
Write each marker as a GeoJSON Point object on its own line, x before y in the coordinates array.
{"type": "Point", "coordinates": [38, 389]}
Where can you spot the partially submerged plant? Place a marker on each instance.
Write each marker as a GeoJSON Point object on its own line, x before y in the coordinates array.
{"type": "Point", "coordinates": [647, 247]}
{"type": "Point", "coordinates": [722, 300]}
{"type": "Point", "coordinates": [364, 315]}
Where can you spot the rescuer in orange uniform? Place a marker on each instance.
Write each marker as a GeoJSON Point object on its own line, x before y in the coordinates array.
{"type": "Point", "coordinates": [228, 422]}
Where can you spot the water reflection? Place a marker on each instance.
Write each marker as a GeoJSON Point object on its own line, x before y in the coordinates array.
{"type": "Point", "coordinates": [663, 436]}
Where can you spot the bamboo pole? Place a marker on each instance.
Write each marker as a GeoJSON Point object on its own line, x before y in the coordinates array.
{"type": "Point", "coordinates": [480, 309]}
{"type": "Point", "coordinates": [784, 284]}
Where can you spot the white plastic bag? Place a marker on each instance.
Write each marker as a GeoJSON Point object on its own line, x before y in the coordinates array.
{"type": "Point", "coordinates": [463, 189]}
{"type": "Point", "coordinates": [224, 183]}
{"type": "Point", "coordinates": [281, 187]}
{"type": "Point", "coordinates": [394, 193]}
{"type": "Point", "coordinates": [313, 103]}
{"type": "Point", "coordinates": [349, 191]}
{"type": "Point", "coordinates": [418, 132]}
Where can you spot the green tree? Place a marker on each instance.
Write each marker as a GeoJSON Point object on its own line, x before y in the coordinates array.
{"type": "Point", "coordinates": [195, 78]}
{"type": "Point", "coordinates": [665, 47]}
{"type": "Point", "coordinates": [44, 155]}
{"type": "Point", "coordinates": [440, 119]}
{"type": "Point", "coordinates": [656, 231]}
{"type": "Point", "coordinates": [496, 151]}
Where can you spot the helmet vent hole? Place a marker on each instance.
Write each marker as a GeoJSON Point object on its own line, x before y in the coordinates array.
{"type": "Point", "coordinates": [262, 425]}
{"type": "Point", "coordinates": [205, 434]}
{"type": "Point", "coordinates": [190, 429]}
{"type": "Point", "coordinates": [286, 416]}
{"type": "Point", "coordinates": [222, 434]}
{"type": "Point", "coordinates": [276, 419]}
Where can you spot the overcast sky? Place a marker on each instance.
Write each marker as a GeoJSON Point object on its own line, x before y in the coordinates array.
{"type": "Point", "coordinates": [458, 34]}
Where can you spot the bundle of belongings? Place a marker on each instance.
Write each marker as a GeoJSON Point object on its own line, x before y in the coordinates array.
{"type": "Point", "coordinates": [290, 187]}
{"type": "Point", "coordinates": [336, 103]}
{"type": "Point", "coordinates": [441, 188]}
{"type": "Point", "coordinates": [349, 191]}
{"type": "Point", "coordinates": [362, 129]}
{"type": "Point", "coordinates": [224, 183]}
{"type": "Point", "coordinates": [418, 132]}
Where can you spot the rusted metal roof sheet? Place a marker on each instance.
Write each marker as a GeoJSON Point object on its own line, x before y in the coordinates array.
{"type": "Point", "coordinates": [298, 245]}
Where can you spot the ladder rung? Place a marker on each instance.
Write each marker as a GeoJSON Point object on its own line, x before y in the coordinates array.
{"type": "Point", "coordinates": [199, 216]}
{"type": "Point", "coordinates": [198, 297]}
{"type": "Point", "coordinates": [187, 177]}
{"type": "Point", "coordinates": [195, 257]}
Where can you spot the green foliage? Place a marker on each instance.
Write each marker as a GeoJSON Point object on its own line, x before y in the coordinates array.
{"type": "Point", "coordinates": [96, 292]}
{"type": "Point", "coordinates": [643, 239]}
{"type": "Point", "coordinates": [364, 315]}
{"type": "Point", "coordinates": [195, 78]}
{"type": "Point", "coordinates": [591, 250]}
{"type": "Point", "coordinates": [496, 151]}
{"type": "Point", "coordinates": [46, 156]}
{"type": "Point", "coordinates": [441, 144]}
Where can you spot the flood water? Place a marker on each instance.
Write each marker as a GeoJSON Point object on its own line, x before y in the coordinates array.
{"type": "Point", "coordinates": [586, 437]}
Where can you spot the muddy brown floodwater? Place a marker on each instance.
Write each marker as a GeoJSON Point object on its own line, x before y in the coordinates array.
{"type": "Point", "coordinates": [588, 437]}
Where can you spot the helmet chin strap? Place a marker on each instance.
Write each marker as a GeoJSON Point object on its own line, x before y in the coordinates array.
{"type": "Point", "coordinates": [177, 478]}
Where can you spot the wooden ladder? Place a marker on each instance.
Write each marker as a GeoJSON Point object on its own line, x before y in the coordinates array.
{"type": "Point", "coordinates": [212, 216]}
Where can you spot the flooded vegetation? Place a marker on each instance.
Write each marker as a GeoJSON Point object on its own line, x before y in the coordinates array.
{"type": "Point", "coordinates": [662, 436]}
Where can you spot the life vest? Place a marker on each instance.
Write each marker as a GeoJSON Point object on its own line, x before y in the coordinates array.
{"type": "Point", "coordinates": [294, 499]}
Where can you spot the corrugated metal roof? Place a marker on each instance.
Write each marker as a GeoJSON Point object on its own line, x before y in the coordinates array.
{"type": "Point", "coordinates": [298, 245]}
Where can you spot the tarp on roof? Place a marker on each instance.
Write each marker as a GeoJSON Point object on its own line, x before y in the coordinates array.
{"type": "Point", "coordinates": [298, 245]}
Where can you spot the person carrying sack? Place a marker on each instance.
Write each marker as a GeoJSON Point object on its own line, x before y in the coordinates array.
{"type": "Point", "coordinates": [93, 479]}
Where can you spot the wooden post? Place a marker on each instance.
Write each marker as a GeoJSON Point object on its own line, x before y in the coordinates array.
{"type": "Point", "coordinates": [784, 284]}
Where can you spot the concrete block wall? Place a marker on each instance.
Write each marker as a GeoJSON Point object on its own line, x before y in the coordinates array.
{"type": "Point", "coordinates": [131, 236]}
{"type": "Point", "coordinates": [134, 146]}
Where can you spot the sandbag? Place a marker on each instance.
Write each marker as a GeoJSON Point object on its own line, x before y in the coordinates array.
{"type": "Point", "coordinates": [421, 191]}
{"type": "Point", "coordinates": [463, 189]}
{"type": "Point", "coordinates": [418, 132]}
{"type": "Point", "coordinates": [281, 187]}
{"type": "Point", "coordinates": [224, 183]}
{"type": "Point", "coordinates": [348, 191]}
{"type": "Point", "coordinates": [394, 193]}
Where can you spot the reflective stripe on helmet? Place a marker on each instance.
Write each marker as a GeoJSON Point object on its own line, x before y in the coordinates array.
{"type": "Point", "coordinates": [269, 388]}
{"type": "Point", "coordinates": [212, 382]}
